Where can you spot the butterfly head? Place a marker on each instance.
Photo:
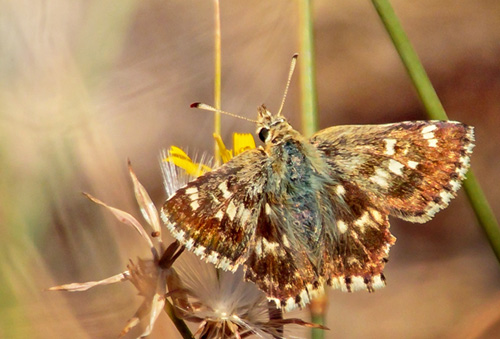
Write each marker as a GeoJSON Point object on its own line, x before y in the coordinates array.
{"type": "Point", "coordinates": [271, 128]}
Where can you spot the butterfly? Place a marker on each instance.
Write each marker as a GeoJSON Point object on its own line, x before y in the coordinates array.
{"type": "Point", "coordinates": [298, 213]}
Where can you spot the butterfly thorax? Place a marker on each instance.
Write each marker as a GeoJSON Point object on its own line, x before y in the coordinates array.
{"type": "Point", "coordinates": [281, 140]}
{"type": "Point", "coordinates": [297, 174]}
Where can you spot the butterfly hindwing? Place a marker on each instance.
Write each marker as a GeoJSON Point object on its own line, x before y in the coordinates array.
{"type": "Point", "coordinates": [278, 262]}
{"type": "Point", "coordinates": [357, 246]}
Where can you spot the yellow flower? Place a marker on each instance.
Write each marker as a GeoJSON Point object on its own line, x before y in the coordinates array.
{"type": "Point", "coordinates": [241, 143]}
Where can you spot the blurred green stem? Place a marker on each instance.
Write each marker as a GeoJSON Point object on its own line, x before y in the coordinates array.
{"type": "Point", "coordinates": [309, 101]}
{"type": "Point", "coordinates": [179, 323]}
{"type": "Point", "coordinates": [318, 333]}
{"type": "Point", "coordinates": [436, 111]}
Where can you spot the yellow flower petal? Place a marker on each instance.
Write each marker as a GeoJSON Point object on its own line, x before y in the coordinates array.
{"type": "Point", "coordinates": [180, 159]}
{"type": "Point", "coordinates": [225, 154]}
{"type": "Point", "coordinates": [242, 142]}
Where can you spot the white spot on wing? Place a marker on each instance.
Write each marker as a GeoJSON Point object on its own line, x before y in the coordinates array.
{"type": "Point", "coordinates": [285, 241]}
{"type": "Point", "coordinates": [377, 282]}
{"type": "Point", "coordinates": [433, 209]}
{"type": "Point", "coordinates": [432, 142]}
{"type": "Point", "coordinates": [465, 160]}
{"type": "Point", "coordinates": [338, 283]}
{"type": "Point", "coordinates": [396, 167]}
{"type": "Point", "coordinates": [191, 190]}
{"type": "Point", "coordinates": [342, 226]}
{"type": "Point", "coordinates": [461, 172]}
{"type": "Point", "coordinates": [363, 221]}
{"type": "Point", "coordinates": [380, 178]}
{"type": "Point", "coordinates": [289, 305]}
{"type": "Point", "coordinates": [389, 146]}
{"type": "Point", "coordinates": [340, 190]}
{"type": "Point", "coordinates": [304, 297]}
{"type": "Point", "coordinates": [245, 215]}
{"type": "Point", "coordinates": [219, 215]}
{"type": "Point", "coordinates": [455, 185]}
{"type": "Point", "coordinates": [412, 164]}
{"type": "Point", "coordinates": [357, 283]}
{"type": "Point", "coordinates": [189, 244]}
{"type": "Point", "coordinates": [200, 251]}
{"type": "Point", "coordinates": [180, 235]}
{"type": "Point", "coordinates": [465, 165]}
{"type": "Point", "coordinates": [194, 205]}
{"type": "Point", "coordinates": [212, 258]}
{"type": "Point", "coordinates": [446, 197]}
{"type": "Point", "coordinates": [258, 248]}
{"type": "Point", "coordinates": [224, 263]}
{"type": "Point", "coordinates": [428, 129]}
{"type": "Point", "coordinates": [429, 135]}
{"type": "Point", "coordinates": [267, 209]}
{"type": "Point", "coordinates": [377, 216]}
{"type": "Point", "coordinates": [223, 188]}
{"type": "Point", "coordinates": [469, 148]}
{"type": "Point", "coordinates": [269, 246]}
{"type": "Point", "coordinates": [231, 210]}
{"type": "Point", "coordinates": [382, 173]}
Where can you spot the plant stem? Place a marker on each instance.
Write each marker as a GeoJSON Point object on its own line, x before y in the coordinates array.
{"type": "Point", "coordinates": [483, 212]}
{"type": "Point", "coordinates": [410, 60]}
{"type": "Point", "coordinates": [217, 80]}
{"type": "Point", "coordinates": [435, 110]}
{"type": "Point", "coordinates": [309, 102]}
{"type": "Point", "coordinates": [179, 323]}
{"type": "Point", "coordinates": [309, 112]}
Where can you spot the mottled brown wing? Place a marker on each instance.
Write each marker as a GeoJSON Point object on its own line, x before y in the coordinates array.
{"type": "Point", "coordinates": [279, 259]}
{"type": "Point", "coordinates": [215, 215]}
{"type": "Point", "coordinates": [355, 247]}
{"type": "Point", "coordinates": [410, 169]}
{"type": "Point", "coordinates": [232, 216]}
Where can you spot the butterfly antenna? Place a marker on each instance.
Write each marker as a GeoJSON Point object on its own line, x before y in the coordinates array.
{"type": "Point", "coordinates": [290, 73]}
{"type": "Point", "coordinates": [213, 109]}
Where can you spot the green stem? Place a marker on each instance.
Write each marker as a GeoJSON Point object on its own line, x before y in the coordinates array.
{"type": "Point", "coordinates": [309, 112]}
{"type": "Point", "coordinates": [483, 212]}
{"type": "Point", "coordinates": [179, 323]}
{"type": "Point", "coordinates": [309, 99]}
{"type": "Point", "coordinates": [435, 110]}
{"type": "Point", "coordinates": [410, 60]}
{"type": "Point", "coordinates": [318, 333]}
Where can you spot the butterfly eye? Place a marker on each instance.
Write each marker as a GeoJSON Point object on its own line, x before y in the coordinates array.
{"type": "Point", "coordinates": [263, 134]}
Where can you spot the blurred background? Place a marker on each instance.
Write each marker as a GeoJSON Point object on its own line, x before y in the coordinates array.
{"type": "Point", "coordinates": [86, 84]}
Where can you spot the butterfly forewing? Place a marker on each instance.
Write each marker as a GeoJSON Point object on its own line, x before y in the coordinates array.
{"type": "Point", "coordinates": [411, 169]}
{"type": "Point", "coordinates": [215, 215]}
